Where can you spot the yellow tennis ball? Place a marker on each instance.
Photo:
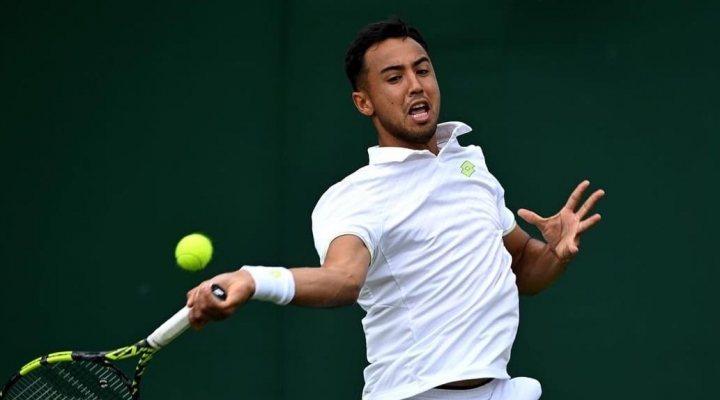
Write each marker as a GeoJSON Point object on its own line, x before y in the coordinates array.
{"type": "Point", "coordinates": [193, 252]}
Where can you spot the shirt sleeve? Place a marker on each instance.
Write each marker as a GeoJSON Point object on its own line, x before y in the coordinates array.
{"type": "Point", "coordinates": [507, 218]}
{"type": "Point", "coordinates": [345, 209]}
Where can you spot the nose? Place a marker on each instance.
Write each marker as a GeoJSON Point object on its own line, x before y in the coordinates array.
{"type": "Point", "coordinates": [415, 86]}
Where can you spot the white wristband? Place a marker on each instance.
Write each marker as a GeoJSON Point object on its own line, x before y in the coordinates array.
{"type": "Point", "coordinates": [273, 284]}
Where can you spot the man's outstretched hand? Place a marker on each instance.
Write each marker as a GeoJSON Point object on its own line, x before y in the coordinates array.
{"type": "Point", "coordinates": [563, 230]}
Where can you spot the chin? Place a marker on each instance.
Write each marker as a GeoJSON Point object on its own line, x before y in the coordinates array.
{"type": "Point", "coordinates": [413, 133]}
{"type": "Point", "coordinates": [419, 139]}
{"type": "Point", "coordinates": [424, 133]}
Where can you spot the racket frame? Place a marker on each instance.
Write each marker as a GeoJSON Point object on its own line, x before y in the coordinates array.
{"type": "Point", "coordinates": [145, 349]}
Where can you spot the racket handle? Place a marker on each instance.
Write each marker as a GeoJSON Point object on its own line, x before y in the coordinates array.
{"type": "Point", "coordinates": [178, 323]}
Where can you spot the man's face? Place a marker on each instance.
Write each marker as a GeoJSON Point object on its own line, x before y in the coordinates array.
{"type": "Point", "coordinates": [399, 89]}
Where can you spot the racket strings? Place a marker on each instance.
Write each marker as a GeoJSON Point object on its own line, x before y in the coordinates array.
{"type": "Point", "coordinates": [76, 380]}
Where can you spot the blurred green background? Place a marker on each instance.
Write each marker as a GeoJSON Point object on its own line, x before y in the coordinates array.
{"type": "Point", "coordinates": [126, 125]}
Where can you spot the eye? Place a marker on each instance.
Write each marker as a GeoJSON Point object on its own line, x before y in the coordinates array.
{"type": "Point", "coordinates": [394, 79]}
{"type": "Point", "coordinates": [423, 72]}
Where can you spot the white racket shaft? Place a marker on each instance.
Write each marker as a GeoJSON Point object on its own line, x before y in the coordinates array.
{"type": "Point", "coordinates": [178, 323]}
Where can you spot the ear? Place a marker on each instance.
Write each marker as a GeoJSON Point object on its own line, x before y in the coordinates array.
{"type": "Point", "coordinates": [363, 104]}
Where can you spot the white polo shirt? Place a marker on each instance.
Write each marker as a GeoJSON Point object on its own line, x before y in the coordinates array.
{"type": "Point", "coordinates": [440, 297]}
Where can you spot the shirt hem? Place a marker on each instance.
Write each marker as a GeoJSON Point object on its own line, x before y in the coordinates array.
{"type": "Point", "coordinates": [418, 387]}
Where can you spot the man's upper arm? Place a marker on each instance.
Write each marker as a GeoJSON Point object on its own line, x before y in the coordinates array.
{"type": "Point", "coordinates": [515, 242]}
{"type": "Point", "coordinates": [349, 254]}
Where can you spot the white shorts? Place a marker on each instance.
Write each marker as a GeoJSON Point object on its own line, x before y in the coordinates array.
{"type": "Point", "coordinates": [520, 388]}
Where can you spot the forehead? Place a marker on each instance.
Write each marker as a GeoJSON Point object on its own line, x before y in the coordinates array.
{"type": "Point", "coordinates": [395, 51]}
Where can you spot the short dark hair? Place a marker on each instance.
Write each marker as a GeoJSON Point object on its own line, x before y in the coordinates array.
{"type": "Point", "coordinates": [371, 34]}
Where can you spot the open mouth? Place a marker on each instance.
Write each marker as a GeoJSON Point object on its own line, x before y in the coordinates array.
{"type": "Point", "coordinates": [420, 112]}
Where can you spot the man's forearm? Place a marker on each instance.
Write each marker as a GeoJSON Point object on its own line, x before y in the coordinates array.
{"type": "Point", "coordinates": [537, 268]}
{"type": "Point", "coordinates": [325, 287]}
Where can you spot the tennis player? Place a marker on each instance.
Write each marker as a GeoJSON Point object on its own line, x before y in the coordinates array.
{"type": "Point", "coordinates": [421, 239]}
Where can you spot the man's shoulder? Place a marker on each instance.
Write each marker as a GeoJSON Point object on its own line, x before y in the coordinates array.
{"type": "Point", "coordinates": [355, 180]}
{"type": "Point", "coordinates": [346, 191]}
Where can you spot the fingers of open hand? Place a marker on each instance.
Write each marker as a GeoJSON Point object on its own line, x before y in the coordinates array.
{"type": "Point", "coordinates": [588, 223]}
{"type": "Point", "coordinates": [590, 203]}
{"type": "Point", "coordinates": [565, 250]}
{"type": "Point", "coordinates": [576, 195]}
{"type": "Point", "coordinates": [586, 207]}
{"type": "Point", "coordinates": [573, 248]}
{"type": "Point", "coordinates": [530, 217]}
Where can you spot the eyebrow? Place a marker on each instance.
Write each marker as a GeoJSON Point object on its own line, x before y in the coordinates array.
{"type": "Point", "coordinates": [398, 67]}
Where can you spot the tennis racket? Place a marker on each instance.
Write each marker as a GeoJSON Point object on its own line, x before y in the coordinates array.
{"type": "Point", "coordinates": [80, 375]}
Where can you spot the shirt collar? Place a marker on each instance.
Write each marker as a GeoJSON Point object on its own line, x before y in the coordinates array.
{"type": "Point", "coordinates": [445, 132]}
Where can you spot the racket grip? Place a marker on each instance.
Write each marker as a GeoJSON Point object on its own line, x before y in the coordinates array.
{"type": "Point", "coordinates": [178, 323]}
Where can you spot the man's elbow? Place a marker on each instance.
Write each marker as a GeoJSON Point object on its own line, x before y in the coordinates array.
{"type": "Point", "coordinates": [528, 289]}
{"type": "Point", "coordinates": [349, 293]}
{"type": "Point", "coordinates": [529, 292]}
{"type": "Point", "coordinates": [345, 289]}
